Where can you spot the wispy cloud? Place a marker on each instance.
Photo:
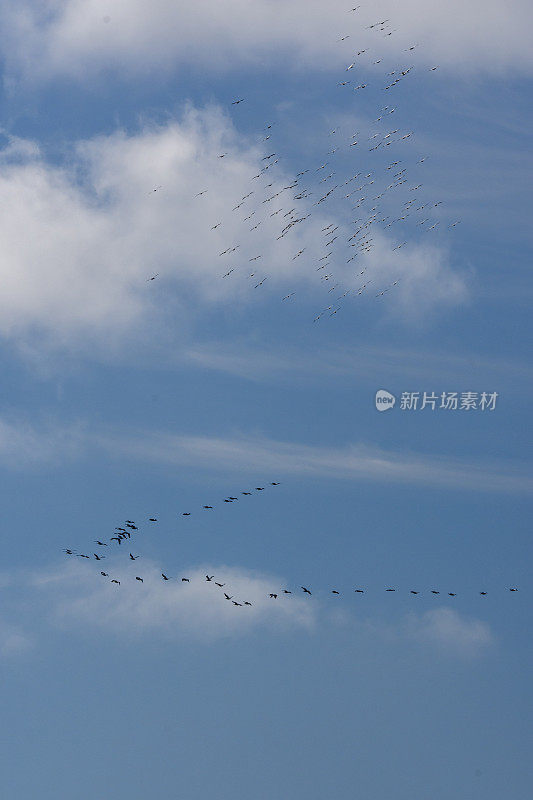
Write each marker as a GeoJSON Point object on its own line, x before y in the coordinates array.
{"type": "Point", "coordinates": [351, 462]}
{"type": "Point", "coordinates": [25, 446]}
{"type": "Point", "coordinates": [370, 363]}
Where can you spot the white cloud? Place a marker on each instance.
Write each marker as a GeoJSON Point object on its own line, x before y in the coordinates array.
{"type": "Point", "coordinates": [82, 597]}
{"type": "Point", "coordinates": [76, 37]}
{"type": "Point", "coordinates": [450, 632]}
{"type": "Point", "coordinates": [79, 240]}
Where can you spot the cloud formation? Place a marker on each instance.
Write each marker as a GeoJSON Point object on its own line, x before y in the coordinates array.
{"type": "Point", "coordinates": [79, 240]}
{"type": "Point", "coordinates": [74, 38]}
{"type": "Point", "coordinates": [23, 445]}
{"type": "Point", "coordinates": [450, 632]}
{"type": "Point", "coordinates": [81, 597]}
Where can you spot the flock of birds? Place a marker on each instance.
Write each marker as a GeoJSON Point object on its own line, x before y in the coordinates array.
{"type": "Point", "coordinates": [123, 534]}
{"type": "Point", "coordinates": [362, 171]}
{"type": "Point", "coordinates": [366, 174]}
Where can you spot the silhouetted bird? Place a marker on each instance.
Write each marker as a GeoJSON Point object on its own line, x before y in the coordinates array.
{"type": "Point", "coordinates": [305, 590]}
{"type": "Point", "coordinates": [164, 576]}
{"type": "Point", "coordinates": [139, 579]}
{"type": "Point", "coordinates": [274, 596]}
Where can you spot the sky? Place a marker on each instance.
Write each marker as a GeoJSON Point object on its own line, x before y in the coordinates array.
{"type": "Point", "coordinates": [184, 317]}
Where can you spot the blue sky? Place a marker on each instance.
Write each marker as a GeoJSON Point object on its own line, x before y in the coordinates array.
{"type": "Point", "coordinates": [125, 398]}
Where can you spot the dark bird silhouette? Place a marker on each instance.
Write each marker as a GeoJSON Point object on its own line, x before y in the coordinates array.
{"type": "Point", "coordinates": [208, 506]}
{"type": "Point", "coordinates": [259, 488]}
{"type": "Point", "coordinates": [274, 596]}
{"type": "Point", "coordinates": [209, 577]}
{"type": "Point", "coordinates": [513, 590]}
{"type": "Point", "coordinates": [133, 558]}
{"type": "Point", "coordinates": [273, 483]}
{"type": "Point", "coordinates": [116, 539]}
{"type": "Point", "coordinates": [434, 591]}
{"type": "Point", "coordinates": [220, 584]}
{"type": "Point", "coordinates": [227, 596]}
{"type": "Point", "coordinates": [152, 519]}
{"type": "Point", "coordinates": [360, 591]}
{"type": "Point", "coordinates": [483, 592]}
{"type": "Point", "coordinates": [452, 594]}
{"type": "Point", "coordinates": [104, 574]}
{"type": "Point", "coordinates": [246, 603]}
{"type": "Point", "coordinates": [305, 590]}
{"type": "Point", "coordinates": [69, 552]}
{"type": "Point", "coordinates": [286, 591]}
{"type": "Point", "coordinates": [102, 544]}
{"type": "Point", "coordinates": [164, 576]}
{"type": "Point", "coordinates": [235, 603]}
{"type": "Point", "coordinates": [114, 580]}
{"type": "Point", "coordinates": [390, 590]}
{"type": "Point", "coordinates": [139, 579]}
{"type": "Point", "coordinates": [186, 514]}
{"type": "Point", "coordinates": [98, 558]}
{"type": "Point", "coordinates": [185, 580]}
{"type": "Point", "coordinates": [334, 591]}
{"type": "Point", "coordinates": [413, 592]}
{"type": "Point", "coordinates": [246, 493]}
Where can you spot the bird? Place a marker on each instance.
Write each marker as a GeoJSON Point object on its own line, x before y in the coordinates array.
{"type": "Point", "coordinates": [434, 591]}
{"type": "Point", "coordinates": [513, 590]}
{"type": "Point", "coordinates": [305, 590]}
{"type": "Point", "coordinates": [273, 483]}
{"type": "Point", "coordinates": [164, 576]}
{"type": "Point", "coordinates": [274, 596]}
{"type": "Point", "coordinates": [98, 558]}
{"type": "Point", "coordinates": [286, 591]}
{"type": "Point", "coordinates": [236, 102]}
{"type": "Point", "coordinates": [186, 514]}
{"type": "Point", "coordinates": [360, 591]}
{"type": "Point", "coordinates": [235, 603]}
{"type": "Point", "coordinates": [114, 580]}
{"type": "Point", "coordinates": [247, 603]}
{"type": "Point", "coordinates": [219, 584]}
{"type": "Point", "coordinates": [390, 590]}
{"type": "Point", "coordinates": [209, 577]}
{"type": "Point", "coordinates": [69, 552]}
{"type": "Point", "coordinates": [228, 597]}
{"type": "Point", "coordinates": [133, 558]}
{"type": "Point", "coordinates": [153, 276]}
{"type": "Point", "coordinates": [152, 519]}
{"type": "Point", "coordinates": [102, 544]}
{"type": "Point", "coordinates": [104, 574]}
{"type": "Point", "coordinates": [452, 594]}
{"type": "Point", "coordinates": [139, 579]}
{"type": "Point", "coordinates": [334, 591]}
{"type": "Point", "coordinates": [208, 507]}
{"type": "Point", "coordinates": [414, 592]}
{"type": "Point", "coordinates": [185, 580]}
